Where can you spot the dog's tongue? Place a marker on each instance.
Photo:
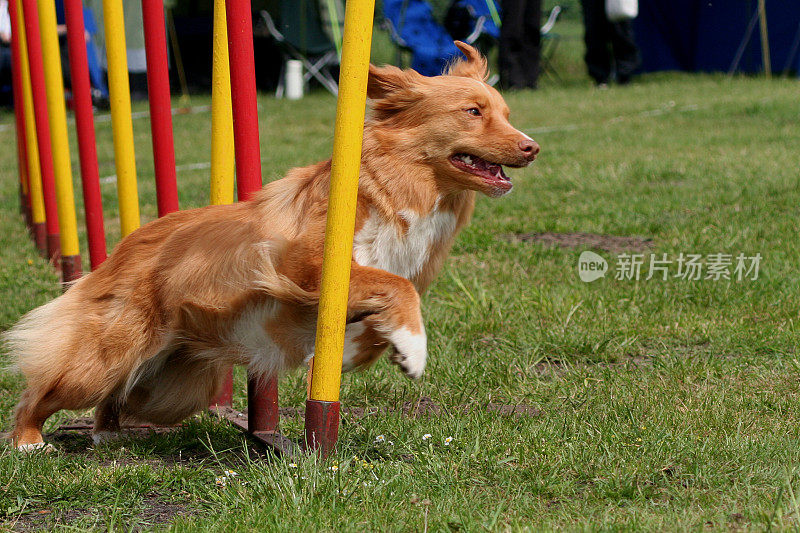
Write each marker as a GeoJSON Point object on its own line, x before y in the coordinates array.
{"type": "Point", "coordinates": [497, 170]}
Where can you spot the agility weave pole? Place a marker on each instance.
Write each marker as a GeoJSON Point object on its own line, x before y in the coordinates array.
{"type": "Point", "coordinates": [57, 115]}
{"type": "Point", "coordinates": [46, 179]}
{"type": "Point", "coordinates": [84, 122]}
{"type": "Point", "coordinates": [322, 406]}
{"type": "Point", "coordinates": [121, 122]}
{"type": "Point", "coordinates": [30, 17]}
{"type": "Point", "coordinates": [32, 166]}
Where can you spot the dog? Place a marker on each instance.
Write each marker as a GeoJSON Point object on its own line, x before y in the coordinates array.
{"type": "Point", "coordinates": [149, 335]}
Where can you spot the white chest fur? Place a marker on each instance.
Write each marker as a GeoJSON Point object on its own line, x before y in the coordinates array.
{"type": "Point", "coordinates": [380, 244]}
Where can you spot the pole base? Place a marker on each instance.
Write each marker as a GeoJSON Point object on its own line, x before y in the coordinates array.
{"type": "Point", "coordinates": [54, 248]}
{"type": "Point", "coordinates": [39, 232]}
{"type": "Point", "coordinates": [262, 404]}
{"type": "Point", "coordinates": [225, 396]}
{"type": "Point", "coordinates": [273, 440]}
{"type": "Point", "coordinates": [70, 268]}
{"type": "Point", "coordinates": [322, 426]}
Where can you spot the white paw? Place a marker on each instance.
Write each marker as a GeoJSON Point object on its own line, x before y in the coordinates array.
{"type": "Point", "coordinates": [411, 351]}
{"type": "Point", "coordinates": [35, 447]}
{"type": "Point", "coordinates": [101, 437]}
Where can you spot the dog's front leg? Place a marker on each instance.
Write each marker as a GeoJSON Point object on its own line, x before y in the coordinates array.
{"type": "Point", "coordinates": [390, 306]}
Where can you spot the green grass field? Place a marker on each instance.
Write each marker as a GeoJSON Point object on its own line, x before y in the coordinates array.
{"type": "Point", "coordinates": [643, 405]}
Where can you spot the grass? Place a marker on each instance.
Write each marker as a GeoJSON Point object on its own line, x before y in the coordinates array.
{"type": "Point", "coordinates": [653, 405]}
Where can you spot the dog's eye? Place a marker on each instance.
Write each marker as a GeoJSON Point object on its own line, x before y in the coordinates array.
{"type": "Point", "coordinates": [474, 111]}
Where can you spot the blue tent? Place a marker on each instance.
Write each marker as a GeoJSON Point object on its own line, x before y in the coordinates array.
{"type": "Point", "coordinates": [716, 35]}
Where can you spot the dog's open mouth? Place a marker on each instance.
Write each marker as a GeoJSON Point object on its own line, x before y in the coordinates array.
{"type": "Point", "coordinates": [491, 172]}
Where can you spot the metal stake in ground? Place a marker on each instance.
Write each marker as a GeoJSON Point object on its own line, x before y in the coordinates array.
{"type": "Point", "coordinates": [322, 407]}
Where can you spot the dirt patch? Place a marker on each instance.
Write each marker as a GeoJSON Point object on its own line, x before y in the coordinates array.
{"type": "Point", "coordinates": [155, 512]}
{"type": "Point", "coordinates": [609, 243]}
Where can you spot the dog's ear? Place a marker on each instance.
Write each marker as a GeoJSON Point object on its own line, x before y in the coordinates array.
{"type": "Point", "coordinates": [474, 66]}
{"type": "Point", "coordinates": [392, 90]}
{"type": "Point", "coordinates": [387, 80]}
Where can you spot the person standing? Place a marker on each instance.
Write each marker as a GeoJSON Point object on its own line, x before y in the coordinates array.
{"type": "Point", "coordinates": [520, 43]}
{"type": "Point", "coordinates": [5, 50]}
{"type": "Point", "coordinates": [610, 46]}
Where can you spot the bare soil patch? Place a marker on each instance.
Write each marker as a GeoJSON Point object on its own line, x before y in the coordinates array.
{"type": "Point", "coordinates": [155, 512]}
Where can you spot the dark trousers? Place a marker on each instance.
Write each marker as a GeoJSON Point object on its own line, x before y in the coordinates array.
{"type": "Point", "coordinates": [520, 41]}
{"type": "Point", "coordinates": [5, 74]}
{"type": "Point", "coordinates": [610, 46]}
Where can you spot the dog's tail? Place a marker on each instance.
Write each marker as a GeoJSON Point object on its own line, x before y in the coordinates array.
{"type": "Point", "coordinates": [269, 281]}
{"type": "Point", "coordinates": [37, 341]}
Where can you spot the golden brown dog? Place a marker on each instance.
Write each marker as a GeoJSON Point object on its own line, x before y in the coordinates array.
{"type": "Point", "coordinates": [148, 335]}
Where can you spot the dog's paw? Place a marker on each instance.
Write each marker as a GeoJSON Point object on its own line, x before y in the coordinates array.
{"type": "Point", "coordinates": [410, 351]}
{"type": "Point", "coordinates": [103, 437]}
{"type": "Point", "coordinates": [36, 447]}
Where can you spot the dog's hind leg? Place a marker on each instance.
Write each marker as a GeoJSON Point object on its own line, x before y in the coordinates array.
{"type": "Point", "coordinates": [106, 420]}
{"type": "Point", "coordinates": [33, 409]}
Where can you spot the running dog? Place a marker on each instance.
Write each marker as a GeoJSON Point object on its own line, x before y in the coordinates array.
{"type": "Point", "coordinates": [149, 335]}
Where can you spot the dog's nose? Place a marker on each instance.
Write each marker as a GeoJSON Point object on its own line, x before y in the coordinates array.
{"type": "Point", "coordinates": [529, 147]}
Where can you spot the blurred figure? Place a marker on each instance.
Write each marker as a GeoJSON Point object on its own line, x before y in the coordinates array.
{"type": "Point", "coordinates": [610, 47]}
{"type": "Point", "coordinates": [520, 41]}
{"type": "Point", "coordinates": [5, 51]}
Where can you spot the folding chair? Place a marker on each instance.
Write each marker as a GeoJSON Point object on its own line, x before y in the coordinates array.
{"type": "Point", "coordinates": [484, 29]}
{"type": "Point", "coordinates": [550, 41]}
{"type": "Point", "coordinates": [411, 26]}
{"type": "Point", "coordinates": [302, 37]}
{"type": "Point", "coordinates": [478, 23]}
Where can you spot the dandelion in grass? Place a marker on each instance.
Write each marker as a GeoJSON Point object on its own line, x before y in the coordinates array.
{"type": "Point", "coordinates": [448, 440]}
{"type": "Point", "coordinates": [426, 436]}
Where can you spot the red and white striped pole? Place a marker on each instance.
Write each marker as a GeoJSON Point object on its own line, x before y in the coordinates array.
{"type": "Point", "coordinates": [262, 401]}
{"type": "Point", "coordinates": [155, 42]}
{"type": "Point", "coordinates": [34, 42]}
{"type": "Point", "coordinates": [84, 121]}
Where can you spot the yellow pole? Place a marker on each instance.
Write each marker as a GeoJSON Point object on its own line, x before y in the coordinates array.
{"type": "Point", "coordinates": [347, 140]}
{"type": "Point", "coordinates": [762, 16]}
{"type": "Point", "coordinates": [54, 86]}
{"type": "Point", "coordinates": [121, 121]}
{"type": "Point", "coordinates": [222, 151]}
{"type": "Point", "coordinates": [34, 170]}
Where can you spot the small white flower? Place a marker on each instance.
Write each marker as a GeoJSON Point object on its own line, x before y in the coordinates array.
{"type": "Point", "coordinates": [448, 440]}
{"type": "Point", "coordinates": [333, 468]}
{"type": "Point", "coordinates": [379, 439]}
{"type": "Point", "coordinates": [221, 481]}
{"type": "Point", "coordinates": [426, 436]}
{"type": "Point", "coordinates": [230, 473]}
{"type": "Point", "coordinates": [390, 443]}
{"type": "Point", "coordinates": [292, 465]}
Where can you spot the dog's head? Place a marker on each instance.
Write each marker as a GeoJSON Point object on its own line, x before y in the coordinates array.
{"type": "Point", "coordinates": [456, 123]}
